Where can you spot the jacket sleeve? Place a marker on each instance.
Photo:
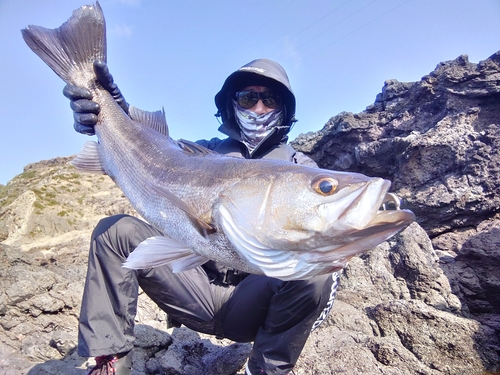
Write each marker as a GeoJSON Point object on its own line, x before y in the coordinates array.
{"type": "Point", "coordinates": [303, 159]}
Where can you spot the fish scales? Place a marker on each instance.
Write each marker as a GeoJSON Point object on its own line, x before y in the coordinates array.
{"type": "Point", "coordinates": [266, 217]}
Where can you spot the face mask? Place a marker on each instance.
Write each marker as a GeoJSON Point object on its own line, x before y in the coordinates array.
{"type": "Point", "coordinates": [255, 128]}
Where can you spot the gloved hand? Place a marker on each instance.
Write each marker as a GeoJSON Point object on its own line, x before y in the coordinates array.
{"type": "Point", "coordinates": [85, 110]}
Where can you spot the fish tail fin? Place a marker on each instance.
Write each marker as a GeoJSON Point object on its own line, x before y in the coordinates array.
{"type": "Point", "coordinates": [71, 49]}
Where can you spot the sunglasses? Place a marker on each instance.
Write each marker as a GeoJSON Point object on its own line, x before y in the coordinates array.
{"type": "Point", "coordinates": [247, 99]}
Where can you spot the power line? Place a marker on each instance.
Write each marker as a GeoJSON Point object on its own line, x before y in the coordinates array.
{"type": "Point", "coordinates": [337, 23]}
{"type": "Point", "coordinates": [359, 28]}
{"type": "Point", "coordinates": [319, 19]}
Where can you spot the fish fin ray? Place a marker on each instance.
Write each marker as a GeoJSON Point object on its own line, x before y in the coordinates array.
{"type": "Point", "coordinates": [75, 45]}
{"type": "Point", "coordinates": [156, 251]}
{"type": "Point", "coordinates": [155, 120]}
{"type": "Point", "coordinates": [88, 159]}
{"type": "Point", "coordinates": [189, 262]}
{"type": "Point", "coordinates": [194, 148]}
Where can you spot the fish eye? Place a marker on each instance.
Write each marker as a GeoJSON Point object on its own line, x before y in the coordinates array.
{"type": "Point", "coordinates": [324, 185]}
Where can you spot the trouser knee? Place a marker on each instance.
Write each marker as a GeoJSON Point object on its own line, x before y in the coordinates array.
{"type": "Point", "coordinates": [120, 234]}
{"type": "Point", "coordinates": [119, 224]}
{"type": "Point", "coordinates": [312, 291]}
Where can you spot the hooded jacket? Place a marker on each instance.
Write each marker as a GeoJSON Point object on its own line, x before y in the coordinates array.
{"type": "Point", "coordinates": [260, 72]}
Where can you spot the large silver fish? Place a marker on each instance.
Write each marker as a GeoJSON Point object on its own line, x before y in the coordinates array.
{"type": "Point", "coordinates": [260, 216]}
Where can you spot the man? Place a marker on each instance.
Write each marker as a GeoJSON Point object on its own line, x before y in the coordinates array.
{"type": "Point", "coordinates": [257, 108]}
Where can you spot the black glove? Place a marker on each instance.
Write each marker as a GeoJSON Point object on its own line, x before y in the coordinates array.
{"type": "Point", "coordinates": [85, 110]}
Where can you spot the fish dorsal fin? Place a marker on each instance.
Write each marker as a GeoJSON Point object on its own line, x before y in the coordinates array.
{"type": "Point", "coordinates": [205, 227]}
{"type": "Point", "coordinates": [88, 159]}
{"type": "Point", "coordinates": [155, 120]}
{"type": "Point", "coordinates": [194, 148]}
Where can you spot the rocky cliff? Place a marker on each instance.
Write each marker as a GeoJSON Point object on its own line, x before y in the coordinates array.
{"type": "Point", "coordinates": [438, 141]}
{"type": "Point", "coordinates": [425, 302]}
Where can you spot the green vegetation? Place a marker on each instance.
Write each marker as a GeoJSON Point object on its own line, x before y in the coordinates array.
{"type": "Point", "coordinates": [51, 194]}
{"type": "Point", "coordinates": [38, 193]}
{"type": "Point", "coordinates": [48, 197]}
{"type": "Point", "coordinates": [3, 195]}
{"type": "Point", "coordinates": [39, 208]}
{"type": "Point", "coordinates": [33, 233]}
{"type": "Point", "coordinates": [16, 187]}
{"type": "Point", "coordinates": [69, 177]}
{"type": "Point", "coordinates": [27, 175]}
{"type": "Point", "coordinates": [38, 205]}
{"type": "Point", "coordinates": [65, 176]}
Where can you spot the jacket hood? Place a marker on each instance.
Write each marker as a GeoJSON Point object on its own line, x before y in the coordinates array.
{"type": "Point", "coordinates": [260, 72]}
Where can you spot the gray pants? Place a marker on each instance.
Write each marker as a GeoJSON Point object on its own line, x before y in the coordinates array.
{"type": "Point", "coordinates": [276, 315]}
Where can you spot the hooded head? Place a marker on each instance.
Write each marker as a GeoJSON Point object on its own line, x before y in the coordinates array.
{"type": "Point", "coordinates": [260, 72]}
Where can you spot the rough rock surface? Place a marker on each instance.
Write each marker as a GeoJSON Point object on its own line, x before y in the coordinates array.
{"type": "Point", "coordinates": [438, 141]}
{"type": "Point", "coordinates": [425, 302]}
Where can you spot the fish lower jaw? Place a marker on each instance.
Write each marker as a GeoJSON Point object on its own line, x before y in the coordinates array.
{"type": "Point", "coordinates": [393, 217]}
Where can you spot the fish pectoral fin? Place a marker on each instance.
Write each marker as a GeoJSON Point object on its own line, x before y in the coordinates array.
{"type": "Point", "coordinates": [203, 226]}
{"type": "Point", "coordinates": [188, 262]}
{"type": "Point", "coordinates": [159, 250]}
{"type": "Point", "coordinates": [155, 120]}
{"type": "Point", "coordinates": [88, 159]}
{"type": "Point", "coordinates": [194, 148]}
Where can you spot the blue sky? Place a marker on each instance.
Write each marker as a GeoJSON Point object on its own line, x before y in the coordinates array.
{"type": "Point", "coordinates": [176, 55]}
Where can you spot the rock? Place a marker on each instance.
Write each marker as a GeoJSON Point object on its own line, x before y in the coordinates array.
{"type": "Point", "coordinates": [475, 269]}
{"type": "Point", "coordinates": [440, 340]}
{"type": "Point", "coordinates": [438, 141]}
{"type": "Point", "coordinates": [396, 311]}
{"type": "Point", "coordinates": [190, 354]}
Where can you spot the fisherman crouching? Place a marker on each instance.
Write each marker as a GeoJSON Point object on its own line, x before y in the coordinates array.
{"type": "Point", "coordinates": [257, 108]}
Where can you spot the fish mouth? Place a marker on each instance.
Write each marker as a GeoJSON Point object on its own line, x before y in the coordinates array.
{"type": "Point", "coordinates": [391, 202]}
{"type": "Point", "coordinates": [363, 206]}
{"type": "Point", "coordinates": [390, 213]}
{"type": "Point", "coordinates": [380, 225]}
{"type": "Point", "coordinates": [389, 220]}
